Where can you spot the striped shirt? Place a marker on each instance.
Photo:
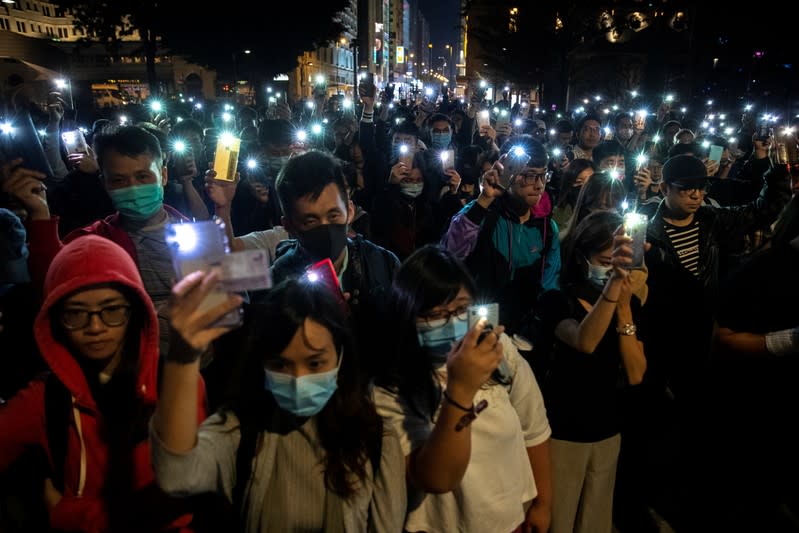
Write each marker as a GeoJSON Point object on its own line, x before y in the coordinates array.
{"type": "Point", "coordinates": [685, 240]}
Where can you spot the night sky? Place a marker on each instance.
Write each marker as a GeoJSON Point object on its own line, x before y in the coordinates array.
{"type": "Point", "coordinates": [444, 18]}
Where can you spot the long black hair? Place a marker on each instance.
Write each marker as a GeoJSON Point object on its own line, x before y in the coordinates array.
{"type": "Point", "coordinates": [431, 276]}
{"type": "Point", "coordinates": [350, 429]}
{"type": "Point", "coordinates": [593, 234]}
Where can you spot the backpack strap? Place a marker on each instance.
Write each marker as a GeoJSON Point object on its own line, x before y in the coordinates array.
{"type": "Point", "coordinates": [57, 406]}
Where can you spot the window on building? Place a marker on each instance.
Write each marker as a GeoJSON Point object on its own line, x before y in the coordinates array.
{"type": "Point", "coordinates": [74, 31]}
{"type": "Point", "coordinates": [46, 11]}
{"type": "Point", "coordinates": [4, 24]}
{"type": "Point", "coordinates": [36, 7]}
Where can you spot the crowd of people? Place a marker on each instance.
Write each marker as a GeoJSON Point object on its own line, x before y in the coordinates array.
{"type": "Point", "coordinates": [603, 394]}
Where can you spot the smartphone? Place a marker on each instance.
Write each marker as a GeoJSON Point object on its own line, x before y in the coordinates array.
{"type": "Point", "coordinates": [503, 119]}
{"type": "Point", "coordinates": [367, 85]}
{"type": "Point", "coordinates": [320, 87]}
{"type": "Point", "coordinates": [639, 120]}
{"type": "Point", "coordinates": [513, 164]}
{"type": "Point", "coordinates": [20, 140]}
{"type": "Point", "coordinates": [75, 142]}
{"type": "Point", "coordinates": [483, 118]}
{"type": "Point", "coordinates": [635, 225]}
{"type": "Point", "coordinates": [226, 159]}
{"type": "Point", "coordinates": [201, 246]}
{"type": "Point", "coordinates": [656, 171]}
{"type": "Point", "coordinates": [406, 154]}
{"type": "Point", "coordinates": [323, 272]}
{"type": "Point", "coordinates": [447, 160]}
{"type": "Point", "coordinates": [488, 311]}
{"type": "Point", "coordinates": [183, 162]}
{"type": "Point", "coordinates": [715, 153]}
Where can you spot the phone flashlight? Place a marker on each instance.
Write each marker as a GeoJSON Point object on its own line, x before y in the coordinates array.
{"type": "Point", "coordinates": [711, 117]}
{"type": "Point", "coordinates": [179, 147]}
{"type": "Point", "coordinates": [309, 104]}
{"type": "Point", "coordinates": [228, 107]}
{"type": "Point", "coordinates": [7, 128]}
{"type": "Point", "coordinates": [123, 119]}
{"type": "Point", "coordinates": [42, 132]}
{"type": "Point", "coordinates": [61, 83]}
{"type": "Point", "coordinates": [518, 122]}
{"type": "Point", "coordinates": [625, 205]}
{"type": "Point", "coordinates": [391, 106]}
{"type": "Point", "coordinates": [313, 277]}
{"type": "Point", "coordinates": [320, 79]}
{"type": "Point", "coordinates": [184, 237]}
{"type": "Point", "coordinates": [272, 99]}
{"type": "Point", "coordinates": [428, 91]}
{"type": "Point", "coordinates": [485, 114]}
{"type": "Point", "coordinates": [656, 139]}
{"type": "Point", "coordinates": [404, 149]}
{"type": "Point", "coordinates": [483, 84]}
{"type": "Point", "coordinates": [641, 159]}
{"type": "Point", "coordinates": [252, 164]}
{"type": "Point", "coordinates": [347, 103]}
{"type": "Point", "coordinates": [705, 144]}
{"type": "Point", "coordinates": [496, 110]}
{"type": "Point", "coordinates": [316, 129]}
{"type": "Point", "coordinates": [69, 137]}
{"type": "Point", "coordinates": [302, 135]}
{"type": "Point", "coordinates": [557, 152]}
{"type": "Point", "coordinates": [156, 106]}
{"type": "Point", "coordinates": [670, 98]}
{"type": "Point", "coordinates": [615, 174]}
{"type": "Point", "coordinates": [444, 156]}
{"type": "Point", "coordinates": [227, 117]}
{"type": "Point", "coordinates": [518, 151]}
{"type": "Point", "coordinates": [198, 105]}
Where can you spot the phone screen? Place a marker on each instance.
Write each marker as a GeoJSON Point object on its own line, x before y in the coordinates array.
{"type": "Point", "coordinates": [483, 118]}
{"type": "Point", "coordinates": [75, 142]}
{"type": "Point", "coordinates": [715, 153]}
{"type": "Point", "coordinates": [635, 225]}
{"type": "Point", "coordinates": [513, 165]}
{"type": "Point", "coordinates": [447, 159]}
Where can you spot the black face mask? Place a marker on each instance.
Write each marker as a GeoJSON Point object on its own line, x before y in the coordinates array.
{"type": "Point", "coordinates": [325, 241]}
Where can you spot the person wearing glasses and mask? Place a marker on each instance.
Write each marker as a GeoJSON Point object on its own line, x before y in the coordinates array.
{"type": "Point", "coordinates": [513, 255]}
{"type": "Point", "coordinates": [98, 332]}
{"type": "Point", "coordinates": [690, 250]}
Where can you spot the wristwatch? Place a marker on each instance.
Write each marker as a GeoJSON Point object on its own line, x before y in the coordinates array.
{"type": "Point", "coordinates": [626, 329]}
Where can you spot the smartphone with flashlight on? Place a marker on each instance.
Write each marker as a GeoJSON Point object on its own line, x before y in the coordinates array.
{"type": "Point", "coordinates": [635, 225]}
{"type": "Point", "coordinates": [503, 119]}
{"type": "Point", "coordinates": [201, 246]}
{"type": "Point", "coordinates": [406, 156]}
{"type": "Point", "coordinates": [488, 311]}
{"type": "Point", "coordinates": [447, 160]}
{"type": "Point", "coordinates": [226, 158]}
{"type": "Point", "coordinates": [324, 273]}
{"type": "Point", "coordinates": [75, 142]}
{"type": "Point", "coordinates": [513, 164]}
{"type": "Point", "coordinates": [183, 162]}
{"type": "Point", "coordinates": [366, 85]}
{"type": "Point", "coordinates": [483, 118]}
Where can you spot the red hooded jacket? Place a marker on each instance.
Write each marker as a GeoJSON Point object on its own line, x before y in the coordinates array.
{"type": "Point", "coordinates": [84, 262]}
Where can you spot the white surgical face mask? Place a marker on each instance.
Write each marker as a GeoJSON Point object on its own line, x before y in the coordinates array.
{"type": "Point", "coordinates": [598, 273]}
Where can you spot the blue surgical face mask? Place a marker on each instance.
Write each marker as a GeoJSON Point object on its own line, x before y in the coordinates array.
{"type": "Point", "coordinates": [437, 336]}
{"type": "Point", "coordinates": [598, 273]}
{"type": "Point", "coordinates": [411, 190]}
{"type": "Point", "coordinates": [303, 396]}
{"type": "Point", "coordinates": [139, 202]}
{"type": "Point", "coordinates": [441, 141]}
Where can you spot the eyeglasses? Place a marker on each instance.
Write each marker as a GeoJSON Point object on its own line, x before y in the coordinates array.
{"type": "Point", "coordinates": [112, 316]}
{"type": "Point", "coordinates": [461, 313]}
{"type": "Point", "coordinates": [529, 178]}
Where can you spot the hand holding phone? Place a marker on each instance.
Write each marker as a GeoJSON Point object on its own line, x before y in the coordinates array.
{"type": "Point", "coordinates": [75, 142]}
{"type": "Point", "coordinates": [447, 160]}
{"type": "Point", "coordinates": [514, 162]}
{"type": "Point", "coordinates": [366, 86]}
{"type": "Point", "coordinates": [489, 312]}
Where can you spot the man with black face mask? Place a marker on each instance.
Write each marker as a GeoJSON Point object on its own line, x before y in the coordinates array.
{"type": "Point", "coordinates": [513, 256]}
{"type": "Point", "coordinates": [317, 213]}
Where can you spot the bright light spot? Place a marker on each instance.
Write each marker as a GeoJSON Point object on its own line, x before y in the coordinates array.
{"type": "Point", "coordinates": [277, 95]}
{"type": "Point", "coordinates": [324, 121]}
{"type": "Point", "coordinates": [640, 159]}
{"type": "Point", "coordinates": [705, 124]}
{"type": "Point", "coordinates": [269, 89]}
{"type": "Point", "coordinates": [302, 135]}
{"type": "Point", "coordinates": [156, 106]}
{"type": "Point", "coordinates": [507, 88]}
{"type": "Point", "coordinates": [732, 140]}
{"type": "Point", "coordinates": [615, 174]}
{"type": "Point", "coordinates": [313, 277]}
{"type": "Point", "coordinates": [428, 91]}
{"type": "Point", "coordinates": [606, 111]}
{"type": "Point", "coordinates": [180, 146]}
{"type": "Point", "coordinates": [185, 237]}
{"type": "Point", "coordinates": [586, 100]}
{"type": "Point", "coordinates": [42, 133]}
{"type": "Point", "coordinates": [625, 205]}
{"type": "Point", "coordinates": [524, 104]}
{"type": "Point", "coordinates": [69, 137]}
{"type": "Point", "coordinates": [728, 131]}
{"type": "Point", "coordinates": [723, 116]}
{"type": "Point", "coordinates": [748, 107]}
{"type": "Point", "coordinates": [316, 129]}
{"type": "Point", "coordinates": [553, 131]}
{"type": "Point", "coordinates": [227, 117]}
{"type": "Point", "coordinates": [711, 117]}
{"type": "Point", "coordinates": [710, 102]}
{"type": "Point", "coordinates": [518, 122]}
{"type": "Point", "coordinates": [444, 156]}
{"type": "Point", "coordinates": [403, 149]}
{"type": "Point", "coordinates": [309, 104]}
{"type": "Point", "coordinates": [198, 105]}
{"type": "Point", "coordinates": [705, 144]}
{"type": "Point", "coordinates": [123, 119]}
{"type": "Point", "coordinates": [518, 151]}
{"type": "Point", "coordinates": [61, 83]}
{"type": "Point", "coordinates": [642, 112]}
{"type": "Point", "coordinates": [347, 103]}
{"type": "Point", "coordinates": [597, 98]}
{"type": "Point", "coordinates": [656, 139]}
{"type": "Point", "coordinates": [227, 138]}
{"type": "Point", "coordinates": [556, 152]}
{"type": "Point", "coordinates": [482, 311]}
{"type": "Point", "coordinates": [252, 164]}
{"type": "Point", "coordinates": [615, 107]}
{"type": "Point", "coordinates": [179, 120]}
{"type": "Point", "coordinates": [229, 107]}
{"type": "Point", "coordinates": [191, 98]}
{"type": "Point", "coordinates": [391, 105]}
{"type": "Point", "coordinates": [634, 94]}
{"type": "Point", "coordinates": [272, 99]}
{"type": "Point", "coordinates": [683, 109]}
{"type": "Point", "coordinates": [320, 79]}
{"type": "Point", "coordinates": [608, 131]}
{"type": "Point", "coordinates": [483, 84]}
{"type": "Point", "coordinates": [496, 110]}
{"type": "Point", "coordinates": [670, 98]}
{"type": "Point", "coordinates": [484, 113]}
